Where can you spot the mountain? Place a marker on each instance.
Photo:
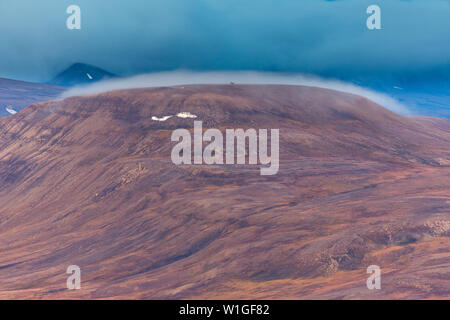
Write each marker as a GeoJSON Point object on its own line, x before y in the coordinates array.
{"type": "Point", "coordinates": [424, 94]}
{"type": "Point", "coordinates": [89, 181]}
{"type": "Point", "coordinates": [81, 73]}
{"type": "Point", "coordinates": [16, 95]}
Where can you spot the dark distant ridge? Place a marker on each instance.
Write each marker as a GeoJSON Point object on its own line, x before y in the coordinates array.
{"type": "Point", "coordinates": [16, 95]}
{"type": "Point", "coordinates": [426, 96]}
{"type": "Point", "coordinates": [81, 73]}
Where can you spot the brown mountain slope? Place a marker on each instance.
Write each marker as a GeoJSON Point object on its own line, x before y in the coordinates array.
{"type": "Point", "coordinates": [89, 181]}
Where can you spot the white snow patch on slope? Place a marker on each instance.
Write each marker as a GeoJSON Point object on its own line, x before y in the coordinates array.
{"type": "Point", "coordinates": [162, 118]}
{"type": "Point", "coordinates": [10, 110]}
{"type": "Point", "coordinates": [183, 115]}
{"type": "Point", "coordinates": [186, 115]}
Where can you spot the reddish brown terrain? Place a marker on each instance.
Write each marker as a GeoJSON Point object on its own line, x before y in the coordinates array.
{"type": "Point", "coordinates": [89, 181]}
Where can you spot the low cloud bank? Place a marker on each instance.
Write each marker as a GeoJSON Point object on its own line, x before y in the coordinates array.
{"type": "Point", "coordinates": [176, 78]}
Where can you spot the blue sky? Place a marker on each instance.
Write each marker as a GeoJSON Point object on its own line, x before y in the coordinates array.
{"type": "Point", "coordinates": [328, 38]}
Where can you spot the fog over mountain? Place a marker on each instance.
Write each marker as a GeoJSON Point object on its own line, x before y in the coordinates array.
{"type": "Point", "coordinates": [181, 77]}
{"type": "Point", "coordinates": [134, 150]}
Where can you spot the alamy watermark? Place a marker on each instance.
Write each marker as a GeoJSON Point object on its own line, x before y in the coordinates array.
{"type": "Point", "coordinates": [234, 149]}
{"type": "Point", "coordinates": [374, 20]}
{"type": "Point", "coordinates": [374, 281]}
{"type": "Point", "coordinates": [74, 280]}
{"type": "Point", "coordinates": [73, 22]}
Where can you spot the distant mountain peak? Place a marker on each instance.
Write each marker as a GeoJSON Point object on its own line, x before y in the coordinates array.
{"type": "Point", "coordinates": [81, 73]}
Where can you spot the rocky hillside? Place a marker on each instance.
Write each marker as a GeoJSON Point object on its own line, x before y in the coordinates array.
{"type": "Point", "coordinates": [89, 181]}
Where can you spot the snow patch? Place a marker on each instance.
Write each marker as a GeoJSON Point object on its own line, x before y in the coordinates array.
{"type": "Point", "coordinates": [10, 110]}
{"type": "Point", "coordinates": [183, 115]}
{"type": "Point", "coordinates": [162, 118]}
{"type": "Point", "coordinates": [186, 115]}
